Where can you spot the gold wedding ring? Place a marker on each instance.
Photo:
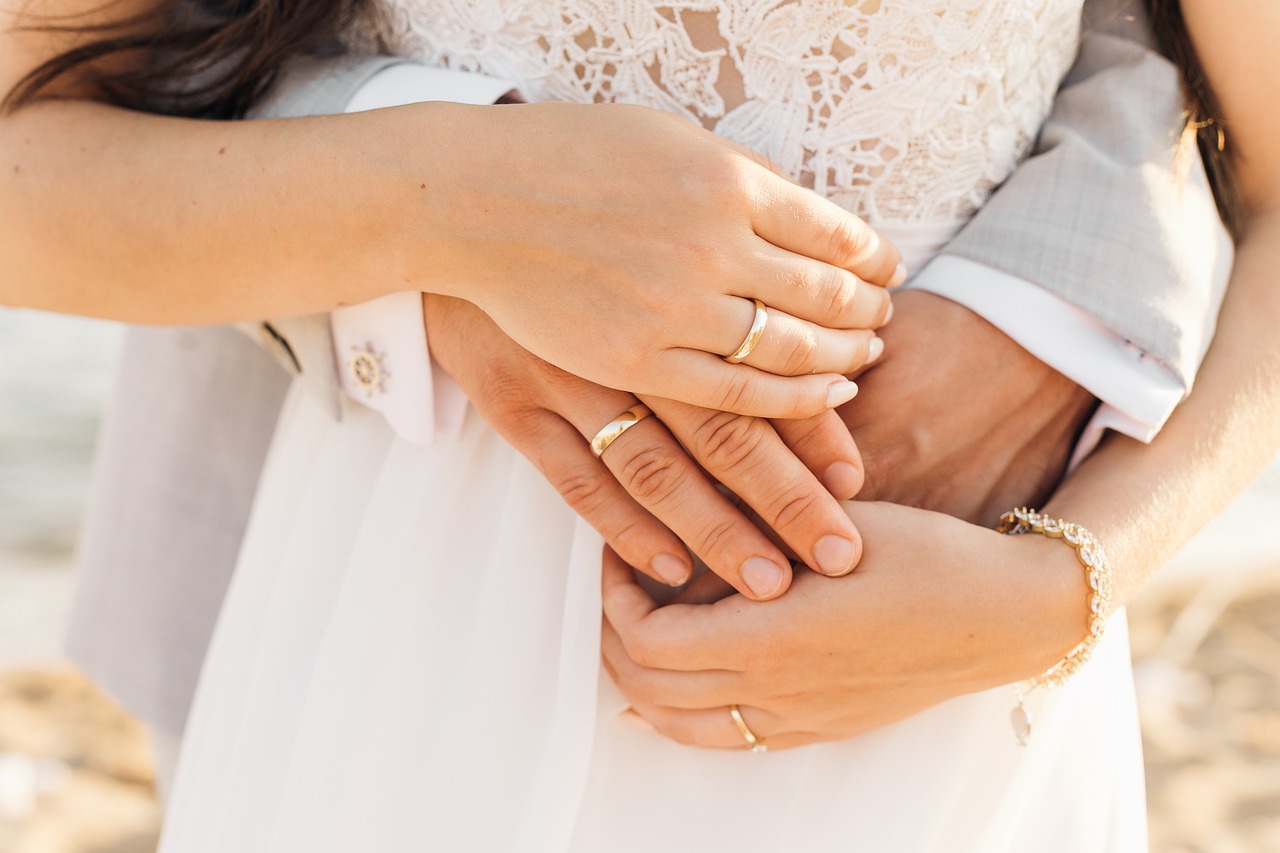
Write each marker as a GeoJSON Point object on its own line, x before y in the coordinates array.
{"type": "Point", "coordinates": [618, 426]}
{"type": "Point", "coordinates": [753, 336]}
{"type": "Point", "coordinates": [757, 744]}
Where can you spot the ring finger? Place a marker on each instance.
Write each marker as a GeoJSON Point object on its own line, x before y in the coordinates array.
{"type": "Point", "coordinates": [790, 346]}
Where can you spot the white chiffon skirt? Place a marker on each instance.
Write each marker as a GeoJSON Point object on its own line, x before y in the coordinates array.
{"type": "Point", "coordinates": [409, 661]}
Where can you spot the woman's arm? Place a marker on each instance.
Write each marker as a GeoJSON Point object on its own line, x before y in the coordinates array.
{"type": "Point", "coordinates": [1145, 502]}
{"type": "Point", "coordinates": [620, 243]}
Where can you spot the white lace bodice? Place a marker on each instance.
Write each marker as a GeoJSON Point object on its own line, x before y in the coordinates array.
{"type": "Point", "coordinates": [907, 111]}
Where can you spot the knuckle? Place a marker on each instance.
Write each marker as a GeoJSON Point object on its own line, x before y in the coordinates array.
{"type": "Point", "coordinates": [652, 474]}
{"type": "Point", "coordinates": [849, 239]}
{"type": "Point", "coordinates": [800, 352]}
{"type": "Point", "coordinates": [840, 291]}
{"type": "Point", "coordinates": [581, 488]}
{"type": "Point", "coordinates": [792, 505]}
{"type": "Point", "coordinates": [726, 441]}
{"type": "Point", "coordinates": [716, 539]}
{"type": "Point", "coordinates": [736, 393]}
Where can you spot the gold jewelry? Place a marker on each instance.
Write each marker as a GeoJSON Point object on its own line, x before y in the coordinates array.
{"type": "Point", "coordinates": [753, 336]}
{"type": "Point", "coordinates": [1098, 573]}
{"type": "Point", "coordinates": [757, 744]}
{"type": "Point", "coordinates": [617, 427]}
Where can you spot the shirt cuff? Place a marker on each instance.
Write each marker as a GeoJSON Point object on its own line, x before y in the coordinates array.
{"type": "Point", "coordinates": [1138, 392]}
{"type": "Point", "coordinates": [382, 351]}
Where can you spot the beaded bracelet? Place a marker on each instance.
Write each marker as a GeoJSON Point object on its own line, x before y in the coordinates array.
{"type": "Point", "coordinates": [1098, 571]}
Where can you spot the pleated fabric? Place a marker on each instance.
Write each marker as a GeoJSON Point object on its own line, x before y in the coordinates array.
{"type": "Point", "coordinates": [408, 660]}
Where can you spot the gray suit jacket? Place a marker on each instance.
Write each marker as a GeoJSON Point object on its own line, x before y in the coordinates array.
{"type": "Point", "coordinates": [189, 427]}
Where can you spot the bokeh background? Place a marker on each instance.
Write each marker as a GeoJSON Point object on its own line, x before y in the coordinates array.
{"type": "Point", "coordinates": [75, 771]}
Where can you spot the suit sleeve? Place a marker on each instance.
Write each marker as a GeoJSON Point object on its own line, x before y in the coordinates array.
{"type": "Point", "coordinates": [1103, 254]}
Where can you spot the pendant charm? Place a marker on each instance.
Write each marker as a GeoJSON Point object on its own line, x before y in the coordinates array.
{"type": "Point", "coordinates": [1020, 719]}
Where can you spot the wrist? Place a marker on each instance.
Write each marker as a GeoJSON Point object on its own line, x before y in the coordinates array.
{"type": "Point", "coordinates": [1054, 616]}
{"type": "Point", "coordinates": [443, 179]}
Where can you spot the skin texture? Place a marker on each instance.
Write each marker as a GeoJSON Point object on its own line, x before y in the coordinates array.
{"type": "Point", "coordinates": [1142, 501]}
{"type": "Point", "coordinates": [958, 418]}
{"type": "Point", "coordinates": [646, 494]}
{"type": "Point", "coordinates": [655, 234]}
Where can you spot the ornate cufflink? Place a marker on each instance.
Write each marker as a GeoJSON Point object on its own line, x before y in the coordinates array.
{"type": "Point", "coordinates": [368, 370]}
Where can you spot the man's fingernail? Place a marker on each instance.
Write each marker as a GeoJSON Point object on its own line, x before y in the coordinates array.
{"type": "Point", "coordinates": [841, 479]}
{"type": "Point", "coordinates": [763, 577]}
{"type": "Point", "coordinates": [839, 393]}
{"type": "Point", "coordinates": [899, 275]}
{"type": "Point", "coordinates": [636, 720]}
{"type": "Point", "coordinates": [875, 349]}
{"type": "Point", "coordinates": [888, 315]}
{"type": "Point", "coordinates": [834, 555]}
{"type": "Point", "coordinates": [670, 569]}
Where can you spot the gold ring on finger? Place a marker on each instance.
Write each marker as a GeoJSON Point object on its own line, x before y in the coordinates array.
{"type": "Point", "coordinates": [756, 743]}
{"type": "Point", "coordinates": [753, 336]}
{"type": "Point", "coordinates": [617, 427]}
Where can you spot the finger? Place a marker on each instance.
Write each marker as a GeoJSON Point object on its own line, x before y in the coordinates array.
{"type": "Point", "coordinates": [592, 491]}
{"type": "Point", "coordinates": [826, 447]}
{"type": "Point", "coordinates": [676, 637]}
{"type": "Point", "coordinates": [747, 455]}
{"type": "Point", "coordinates": [641, 685]}
{"type": "Point", "coordinates": [652, 467]}
{"type": "Point", "coordinates": [706, 588]}
{"type": "Point", "coordinates": [815, 290]}
{"type": "Point", "coordinates": [714, 728]}
{"type": "Point", "coordinates": [789, 346]}
{"type": "Point", "coordinates": [801, 221]}
{"type": "Point", "coordinates": [703, 379]}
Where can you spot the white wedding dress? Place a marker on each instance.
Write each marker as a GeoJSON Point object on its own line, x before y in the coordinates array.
{"type": "Point", "coordinates": [409, 656]}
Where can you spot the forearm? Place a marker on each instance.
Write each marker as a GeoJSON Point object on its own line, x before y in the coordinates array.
{"type": "Point", "coordinates": [1145, 502]}
{"type": "Point", "coordinates": [151, 219]}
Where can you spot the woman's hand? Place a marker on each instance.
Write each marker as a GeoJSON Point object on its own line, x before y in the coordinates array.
{"type": "Point", "coordinates": [645, 494]}
{"type": "Point", "coordinates": [626, 245]}
{"type": "Point", "coordinates": [937, 608]}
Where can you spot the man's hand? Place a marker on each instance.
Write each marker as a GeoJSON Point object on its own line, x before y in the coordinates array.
{"type": "Point", "coordinates": [958, 418]}
{"type": "Point", "coordinates": [646, 494]}
{"type": "Point", "coordinates": [937, 608]}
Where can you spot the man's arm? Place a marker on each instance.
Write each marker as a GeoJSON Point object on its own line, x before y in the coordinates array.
{"type": "Point", "coordinates": [1094, 272]}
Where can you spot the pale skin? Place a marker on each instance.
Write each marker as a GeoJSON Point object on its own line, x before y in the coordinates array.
{"type": "Point", "coordinates": [128, 216]}
{"type": "Point", "coordinates": [656, 236]}
{"type": "Point", "coordinates": [939, 607]}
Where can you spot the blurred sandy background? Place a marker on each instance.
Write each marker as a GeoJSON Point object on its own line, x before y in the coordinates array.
{"type": "Point", "coordinates": [74, 769]}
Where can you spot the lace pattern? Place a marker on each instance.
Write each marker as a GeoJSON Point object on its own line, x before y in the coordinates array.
{"type": "Point", "coordinates": [906, 111]}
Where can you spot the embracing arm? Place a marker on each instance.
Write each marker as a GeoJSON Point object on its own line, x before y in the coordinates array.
{"type": "Point", "coordinates": [1145, 502]}
{"type": "Point", "coordinates": [554, 218]}
{"type": "Point", "coordinates": [1094, 271]}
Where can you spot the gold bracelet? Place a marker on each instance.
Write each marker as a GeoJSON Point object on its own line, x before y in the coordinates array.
{"type": "Point", "coordinates": [1098, 573]}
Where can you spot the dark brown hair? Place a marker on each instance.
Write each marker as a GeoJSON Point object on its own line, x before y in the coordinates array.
{"type": "Point", "coordinates": [1204, 117]}
{"type": "Point", "coordinates": [226, 53]}
{"type": "Point", "coordinates": [196, 58]}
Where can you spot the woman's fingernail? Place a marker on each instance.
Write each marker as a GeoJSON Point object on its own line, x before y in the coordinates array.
{"type": "Point", "coordinates": [636, 720]}
{"type": "Point", "coordinates": [899, 275]}
{"type": "Point", "coordinates": [875, 349]}
{"type": "Point", "coordinates": [842, 479]}
{"type": "Point", "coordinates": [763, 577]}
{"type": "Point", "coordinates": [670, 569]}
{"type": "Point", "coordinates": [834, 555]}
{"type": "Point", "coordinates": [839, 393]}
{"type": "Point", "coordinates": [888, 315]}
